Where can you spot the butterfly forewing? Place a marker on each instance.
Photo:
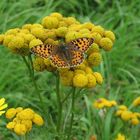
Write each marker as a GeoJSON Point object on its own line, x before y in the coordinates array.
{"type": "Point", "coordinates": [81, 44]}
{"type": "Point", "coordinates": [43, 50]}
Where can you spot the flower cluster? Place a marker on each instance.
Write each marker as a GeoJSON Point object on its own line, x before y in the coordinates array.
{"type": "Point", "coordinates": [122, 111]}
{"type": "Point", "coordinates": [2, 106]}
{"type": "Point", "coordinates": [120, 137]}
{"type": "Point", "coordinates": [22, 120]}
{"type": "Point", "coordinates": [125, 114]}
{"type": "Point", "coordinates": [102, 103]}
{"type": "Point", "coordinates": [54, 29]}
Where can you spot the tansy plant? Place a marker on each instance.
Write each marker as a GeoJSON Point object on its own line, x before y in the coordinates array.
{"type": "Point", "coordinates": [71, 51]}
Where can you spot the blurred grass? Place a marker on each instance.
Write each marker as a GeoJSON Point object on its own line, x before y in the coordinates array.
{"type": "Point", "coordinates": [121, 68]}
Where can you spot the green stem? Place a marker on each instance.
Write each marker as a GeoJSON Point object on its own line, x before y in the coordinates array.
{"type": "Point", "coordinates": [72, 113]}
{"type": "Point", "coordinates": [58, 127]}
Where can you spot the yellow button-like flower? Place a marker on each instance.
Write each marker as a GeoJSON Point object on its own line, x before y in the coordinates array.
{"type": "Point", "coordinates": [61, 31]}
{"type": "Point", "coordinates": [38, 64]}
{"type": "Point", "coordinates": [97, 37]}
{"type": "Point", "coordinates": [50, 22]}
{"type": "Point", "coordinates": [80, 80]}
{"type": "Point", "coordinates": [136, 102]}
{"type": "Point", "coordinates": [27, 26]}
{"type": "Point", "coordinates": [72, 35]}
{"type": "Point", "coordinates": [2, 106]}
{"type": "Point", "coordinates": [70, 20]}
{"type": "Point", "coordinates": [12, 31]}
{"type": "Point", "coordinates": [94, 48]}
{"type": "Point", "coordinates": [94, 59]}
{"type": "Point", "coordinates": [10, 113]}
{"type": "Point", "coordinates": [120, 137]}
{"type": "Point", "coordinates": [98, 29]}
{"type": "Point", "coordinates": [38, 120]}
{"type": "Point", "coordinates": [28, 124]}
{"type": "Point", "coordinates": [106, 43]}
{"type": "Point", "coordinates": [123, 107]}
{"type": "Point", "coordinates": [119, 112]}
{"type": "Point", "coordinates": [39, 33]}
{"type": "Point", "coordinates": [79, 71]}
{"type": "Point", "coordinates": [135, 121]}
{"type": "Point", "coordinates": [98, 77]}
{"type": "Point", "coordinates": [110, 35]}
{"type": "Point", "coordinates": [91, 80]}
{"type": "Point", "coordinates": [88, 25]}
{"type": "Point", "coordinates": [7, 39]}
{"type": "Point", "coordinates": [126, 115]}
{"type": "Point", "coordinates": [88, 70]}
{"type": "Point", "coordinates": [19, 109]}
{"type": "Point", "coordinates": [100, 103]}
{"type": "Point", "coordinates": [57, 15]}
{"type": "Point", "coordinates": [20, 129]}
{"type": "Point", "coordinates": [26, 114]}
{"type": "Point", "coordinates": [35, 42]}
{"type": "Point", "coordinates": [16, 42]}
{"type": "Point", "coordinates": [66, 77]}
{"type": "Point", "coordinates": [11, 125]}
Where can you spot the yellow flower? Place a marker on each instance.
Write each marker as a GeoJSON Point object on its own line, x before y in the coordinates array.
{"type": "Point", "coordinates": [57, 15]}
{"type": "Point", "coordinates": [94, 48]}
{"type": "Point", "coordinates": [100, 103]}
{"type": "Point", "coordinates": [136, 102]}
{"type": "Point", "coordinates": [110, 35]}
{"type": "Point", "coordinates": [35, 42]}
{"type": "Point", "coordinates": [11, 125]}
{"type": "Point", "coordinates": [26, 114]}
{"type": "Point", "coordinates": [51, 34]}
{"type": "Point", "coordinates": [16, 42]}
{"type": "Point", "coordinates": [98, 29]}
{"type": "Point", "coordinates": [70, 20]}
{"type": "Point", "coordinates": [99, 78]}
{"type": "Point", "coordinates": [2, 106]}
{"type": "Point", "coordinates": [119, 112]}
{"type": "Point", "coordinates": [66, 77]}
{"type": "Point", "coordinates": [12, 31]}
{"type": "Point", "coordinates": [84, 30]}
{"type": "Point", "coordinates": [123, 107]}
{"type": "Point", "coordinates": [80, 80]}
{"type": "Point", "coordinates": [126, 115]}
{"type": "Point", "coordinates": [28, 124]}
{"type": "Point", "coordinates": [106, 43]}
{"type": "Point", "coordinates": [27, 26]}
{"type": "Point", "coordinates": [19, 109]}
{"type": "Point", "coordinates": [79, 71]}
{"type": "Point", "coordinates": [91, 80]}
{"type": "Point", "coordinates": [20, 129]}
{"type": "Point", "coordinates": [38, 120]}
{"type": "Point", "coordinates": [97, 37]}
{"type": "Point", "coordinates": [50, 22]}
{"type": "Point", "coordinates": [61, 31]}
{"type": "Point", "coordinates": [38, 64]}
{"type": "Point", "coordinates": [88, 70]}
{"type": "Point", "coordinates": [120, 137]}
{"type": "Point", "coordinates": [135, 121]}
{"type": "Point", "coordinates": [72, 35]}
{"type": "Point", "coordinates": [88, 25]}
{"type": "Point", "coordinates": [1, 38]}
{"type": "Point", "coordinates": [94, 59]}
{"type": "Point", "coordinates": [7, 39]}
{"type": "Point", "coordinates": [39, 33]}
{"type": "Point", "coordinates": [62, 24]}
{"type": "Point", "coordinates": [36, 25]}
{"type": "Point", "coordinates": [10, 113]}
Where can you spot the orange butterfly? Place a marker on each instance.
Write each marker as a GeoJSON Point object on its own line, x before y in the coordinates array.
{"type": "Point", "coordinates": [64, 55]}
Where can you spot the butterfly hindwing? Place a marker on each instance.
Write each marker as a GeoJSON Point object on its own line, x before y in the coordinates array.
{"type": "Point", "coordinates": [58, 61]}
{"type": "Point", "coordinates": [43, 50]}
{"type": "Point", "coordinates": [81, 44]}
{"type": "Point", "coordinates": [77, 58]}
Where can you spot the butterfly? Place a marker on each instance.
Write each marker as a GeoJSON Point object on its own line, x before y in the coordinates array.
{"type": "Point", "coordinates": [66, 54]}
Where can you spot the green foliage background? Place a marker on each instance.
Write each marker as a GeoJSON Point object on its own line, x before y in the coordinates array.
{"type": "Point", "coordinates": [120, 67]}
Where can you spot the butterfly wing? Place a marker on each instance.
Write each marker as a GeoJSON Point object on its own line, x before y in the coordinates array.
{"type": "Point", "coordinates": [81, 44]}
{"type": "Point", "coordinates": [77, 57]}
{"type": "Point", "coordinates": [43, 51]}
{"type": "Point", "coordinates": [58, 61]}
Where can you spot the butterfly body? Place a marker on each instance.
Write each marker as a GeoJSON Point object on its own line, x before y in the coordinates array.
{"type": "Point", "coordinates": [64, 55]}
